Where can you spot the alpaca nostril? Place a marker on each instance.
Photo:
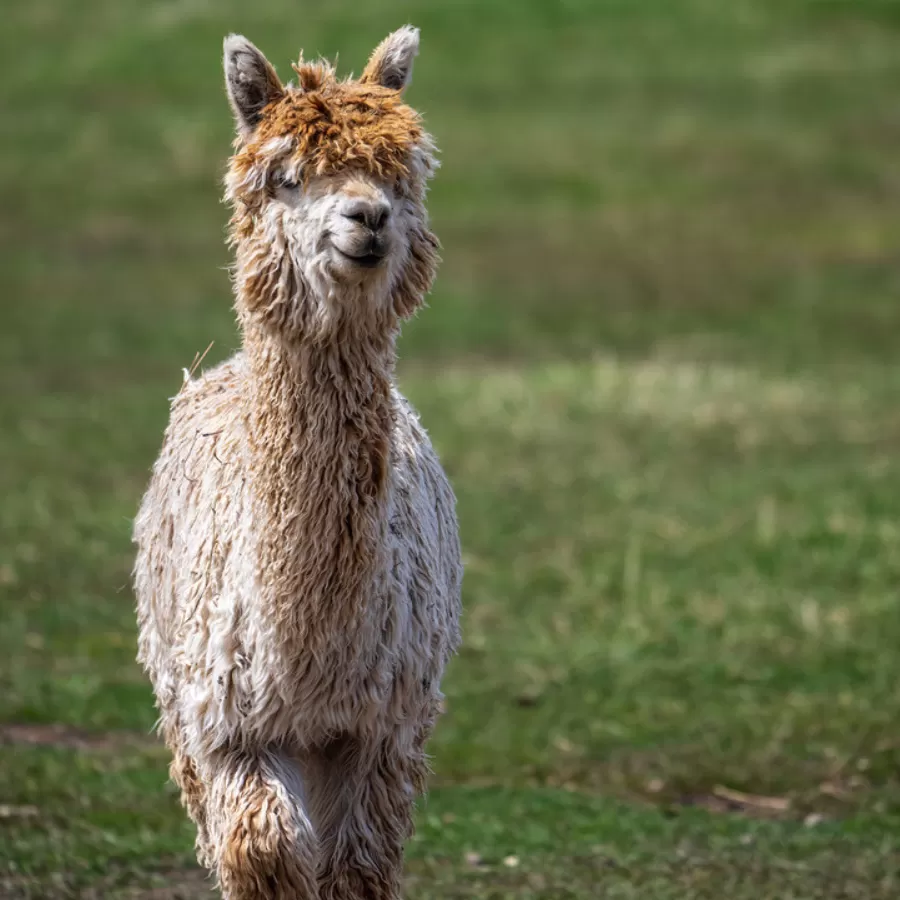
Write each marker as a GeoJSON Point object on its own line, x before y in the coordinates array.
{"type": "Point", "coordinates": [371, 216]}
{"type": "Point", "coordinates": [378, 218]}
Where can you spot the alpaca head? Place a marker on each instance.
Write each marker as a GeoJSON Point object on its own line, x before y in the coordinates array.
{"type": "Point", "coordinates": [328, 186]}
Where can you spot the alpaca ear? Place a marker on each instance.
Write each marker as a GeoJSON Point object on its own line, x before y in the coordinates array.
{"type": "Point", "coordinates": [391, 63]}
{"type": "Point", "coordinates": [250, 82]}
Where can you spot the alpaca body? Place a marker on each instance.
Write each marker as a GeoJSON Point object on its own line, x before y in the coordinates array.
{"type": "Point", "coordinates": [298, 567]}
{"type": "Point", "coordinates": [367, 663]}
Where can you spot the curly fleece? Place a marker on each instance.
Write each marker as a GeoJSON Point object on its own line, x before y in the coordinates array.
{"type": "Point", "coordinates": [298, 565]}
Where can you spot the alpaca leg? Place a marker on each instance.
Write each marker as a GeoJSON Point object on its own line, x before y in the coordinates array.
{"type": "Point", "coordinates": [363, 806]}
{"type": "Point", "coordinates": [263, 843]}
{"type": "Point", "coordinates": [183, 772]}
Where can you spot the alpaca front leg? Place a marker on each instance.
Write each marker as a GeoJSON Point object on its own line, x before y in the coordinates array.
{"type": "Point", "coordinates": [364, 804]}
{"type": "Point", "coordinates": [183, 771]}
{"type": "Point", "coordinates": [263, 845]}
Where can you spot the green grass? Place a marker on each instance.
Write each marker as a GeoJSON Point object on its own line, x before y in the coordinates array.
{"type": "Point", "coordinates": [659, 365]}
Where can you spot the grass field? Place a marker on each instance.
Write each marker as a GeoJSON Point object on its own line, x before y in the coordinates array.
{"type": "Point", "coordinates": [660, 365]}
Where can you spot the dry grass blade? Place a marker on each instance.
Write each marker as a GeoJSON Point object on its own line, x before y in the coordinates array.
{"type": "Point", "coordinates": [774, 804]}
{"type": "Point", "coordinates": [199, 359]}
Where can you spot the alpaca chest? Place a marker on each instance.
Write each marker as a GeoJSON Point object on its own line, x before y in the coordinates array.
{"type": "Point", "coordinates": [361, 676]}
{"type": "Point", "coordinates": [251, 646]}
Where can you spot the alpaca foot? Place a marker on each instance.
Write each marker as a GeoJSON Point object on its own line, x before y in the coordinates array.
{"type": "Point", "coordinates": [351, 883]}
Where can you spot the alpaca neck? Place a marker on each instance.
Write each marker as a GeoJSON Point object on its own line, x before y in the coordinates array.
{"type": "Point", "coordinates": [319, 437]}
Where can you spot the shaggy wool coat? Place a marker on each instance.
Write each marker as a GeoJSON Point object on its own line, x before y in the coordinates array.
{"type": "Point", "coordinates": [298, 567]}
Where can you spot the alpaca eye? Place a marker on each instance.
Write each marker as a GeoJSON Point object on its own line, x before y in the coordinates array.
{"type": "Point", "coordinates": [284, 181]}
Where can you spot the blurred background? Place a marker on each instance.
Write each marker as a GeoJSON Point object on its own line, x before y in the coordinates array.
{"type": "Point", "coordinates": [659, 363]}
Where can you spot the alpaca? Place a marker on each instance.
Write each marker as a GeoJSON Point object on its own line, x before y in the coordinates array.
{"type": "Point", "coordinates": [298, 564]}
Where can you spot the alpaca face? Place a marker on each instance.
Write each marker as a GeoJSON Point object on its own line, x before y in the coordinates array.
{"type": "Point", "coordinates": [344, 232]}
{"type": "Point", "coordinates": [328, 187]}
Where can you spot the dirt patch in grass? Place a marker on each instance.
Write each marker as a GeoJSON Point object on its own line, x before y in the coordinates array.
{"type": "Point", "coordinates": [177, 884]}
{"type": "Point", "coordinates": [688, 874]}
{"type": "Point", "coordinates": [71, 738]}
{"type": "Point", "coordinates": [186, 884]}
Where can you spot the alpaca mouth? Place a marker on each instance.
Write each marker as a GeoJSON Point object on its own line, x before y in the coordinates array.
{"type": "Point", "coordinates": [364, 260]}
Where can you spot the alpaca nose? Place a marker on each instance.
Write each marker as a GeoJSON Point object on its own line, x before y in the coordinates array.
{"type": "Point", "coordinates": [372, 214]}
